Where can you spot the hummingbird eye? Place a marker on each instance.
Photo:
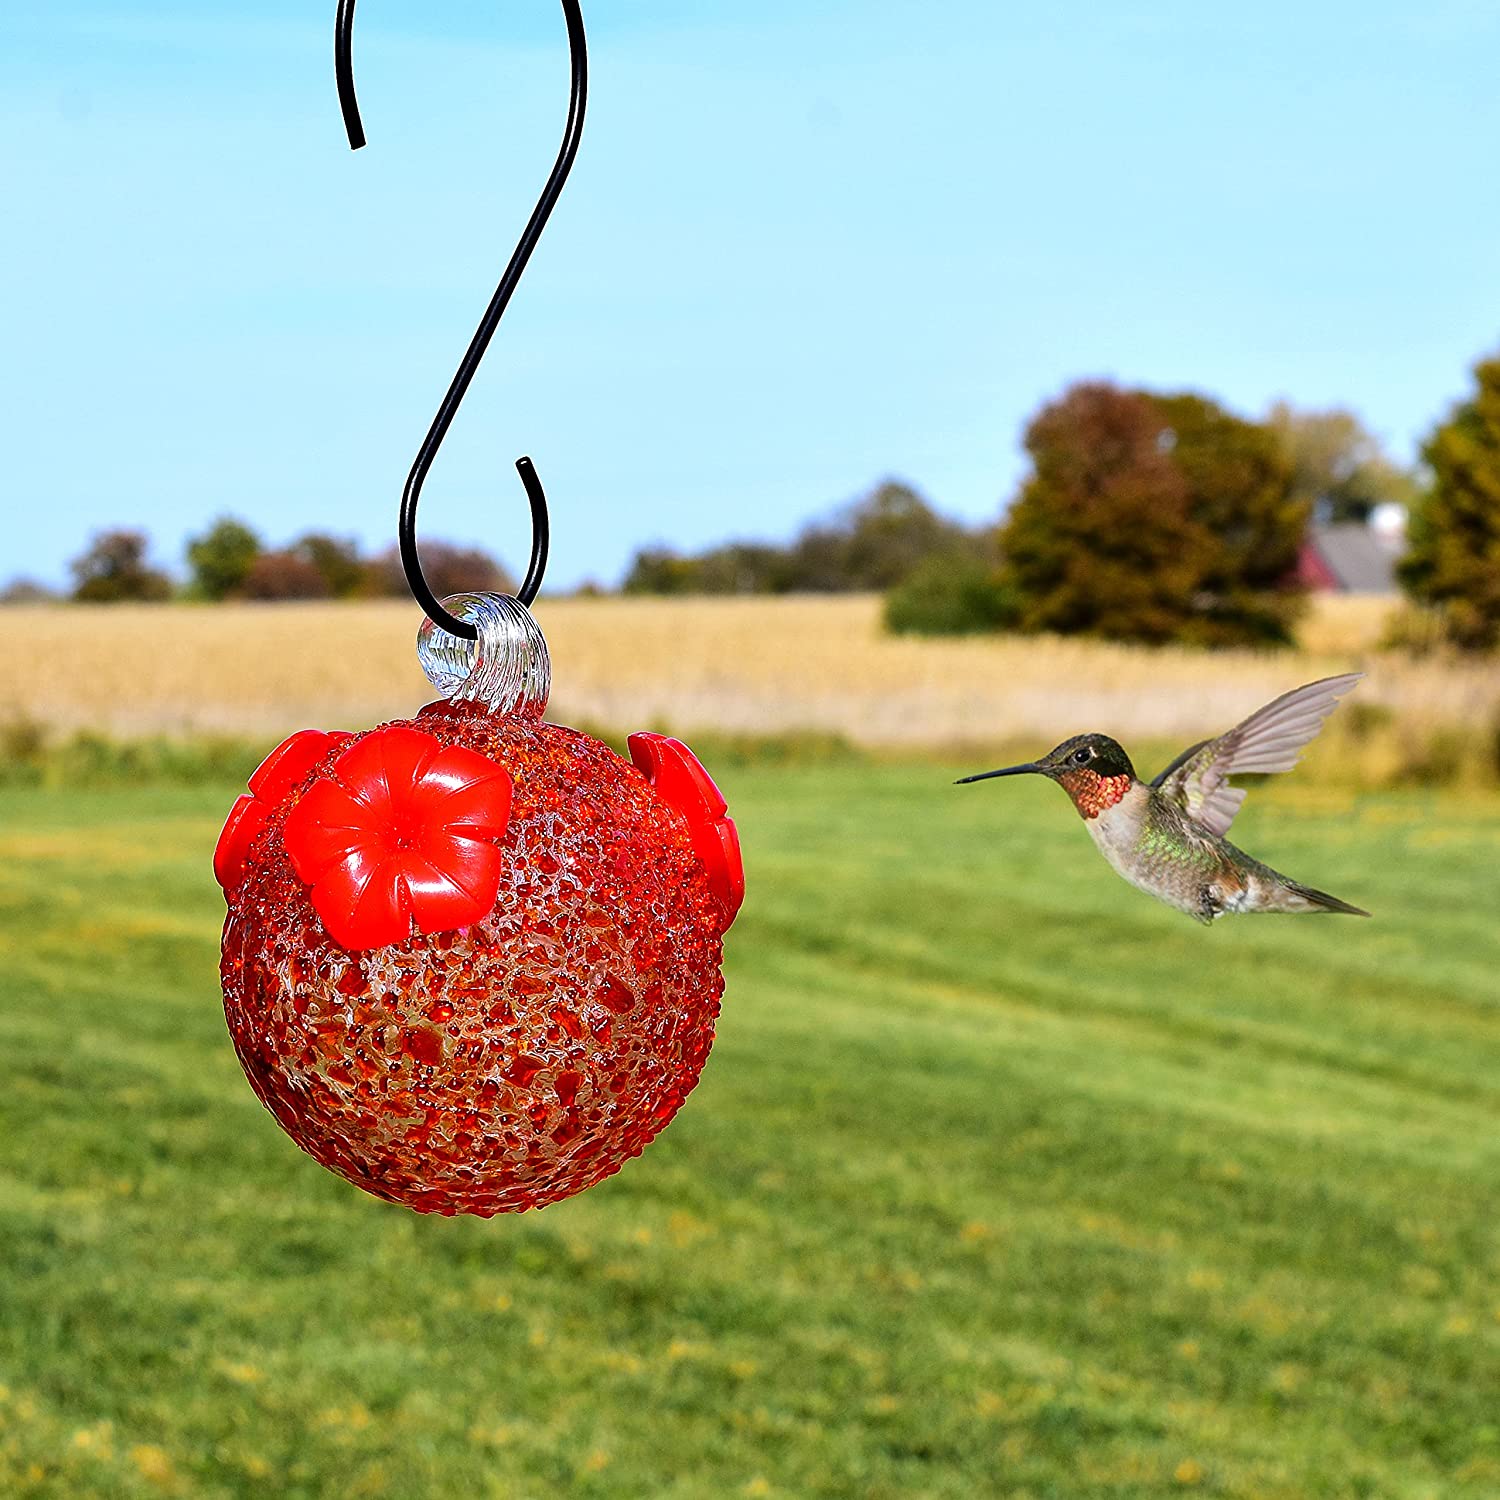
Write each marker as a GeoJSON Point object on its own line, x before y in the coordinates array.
{"type": "Point", "coordinates": [1083, 755]}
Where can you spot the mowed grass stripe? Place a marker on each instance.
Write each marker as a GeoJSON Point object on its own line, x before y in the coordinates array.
{"type": "Point", "coordinates": [1033, 912]}
{"type": "Point", "coordinates": [994, 1185]}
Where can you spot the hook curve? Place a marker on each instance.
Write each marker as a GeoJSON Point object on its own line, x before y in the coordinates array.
{"type": "Point", "coordinates": [468, 367]}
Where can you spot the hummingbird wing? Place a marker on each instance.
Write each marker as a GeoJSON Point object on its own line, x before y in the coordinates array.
{"type": "Point", "coordinates": [1271, 739]}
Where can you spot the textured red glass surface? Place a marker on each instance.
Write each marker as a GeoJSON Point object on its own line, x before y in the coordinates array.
{"type": "Point", "coordinates": [401, 830]}
{"type": "Point", "coordinates": [276, 775]}
{"type": "Point", "coordinates": [677, 775]}
{"type": "Point", "coordinates": [517, 1060]}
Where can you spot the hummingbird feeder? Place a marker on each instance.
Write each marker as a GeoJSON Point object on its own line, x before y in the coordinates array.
{"type": "Point", "coordinates": [472, 958]}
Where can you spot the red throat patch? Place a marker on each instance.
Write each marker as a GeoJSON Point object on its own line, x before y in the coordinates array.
{"type": "Point", "coordinates": [1092, 793]}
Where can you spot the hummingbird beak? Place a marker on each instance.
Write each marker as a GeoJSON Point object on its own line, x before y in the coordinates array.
{"type": "Point", "coordinates": [1029, 769]}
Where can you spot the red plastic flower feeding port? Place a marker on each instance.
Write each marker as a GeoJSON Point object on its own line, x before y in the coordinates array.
{"type": "Point", "coordinates": [402, 831]}
{"type": "Point", "coordinates": [678, 776]}
{"type": "Point", "coordinates": [276, 775]}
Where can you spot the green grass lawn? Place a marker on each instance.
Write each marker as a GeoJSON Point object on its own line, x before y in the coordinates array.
{"type": "Point", "coordinates": [1002, 1181]}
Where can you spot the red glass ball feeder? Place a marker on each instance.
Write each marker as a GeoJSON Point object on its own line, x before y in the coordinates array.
{"type": "Point", "coordinates": [472, 959]}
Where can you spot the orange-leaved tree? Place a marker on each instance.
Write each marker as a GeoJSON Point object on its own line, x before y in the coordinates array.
{"type": "Point", "coordinates": [1153, 518]}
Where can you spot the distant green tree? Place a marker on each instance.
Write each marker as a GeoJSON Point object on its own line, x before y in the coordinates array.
{"type": "Point", "coordinates": [742, 568]}
{"type": "Point", "coordinates": [660, 570]}
{"type": "Point", "coordinates": [960, 593]}
{"type": "Point", "coordinates": [114, 571]}
{"type": "Point", "coordinates": [1453, 566]}
{"type": "Point", "coordinates": [220, 560]}
{"type": "Point", "coordinates": [1153, 518]}
{"type": "Point", "coordinates": [735, 568]}
{"type": "Point", "coordinates": [337, 560]}
{"type": "Point", "coordinates": [1338, 467]}
{"type": "Point", "coordinates": [872, 545]}
{"type": "Point", "coordinates": [866, 547]}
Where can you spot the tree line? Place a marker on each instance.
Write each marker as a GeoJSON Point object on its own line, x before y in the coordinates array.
{"type": "Point", "coordinates": [1154, 518]}
{"type": "Point", "coordinates": [230, 561]}
{"type": "Point", "coordinates": [1143, 516]}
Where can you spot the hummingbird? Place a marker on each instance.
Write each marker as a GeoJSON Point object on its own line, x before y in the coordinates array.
{"type": "Point", "coordinates": [1167, 838]}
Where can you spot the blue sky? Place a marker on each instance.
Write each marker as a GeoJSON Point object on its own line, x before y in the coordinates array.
{"type": "Point", "coordinates": [805, 247]}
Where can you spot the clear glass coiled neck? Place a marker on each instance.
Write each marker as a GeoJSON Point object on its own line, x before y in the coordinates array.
{"type": "Point", "coordinates": [507, 669]}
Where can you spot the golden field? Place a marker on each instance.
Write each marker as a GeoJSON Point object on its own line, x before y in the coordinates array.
{"type": "Point", "coordinates": [737, 666]}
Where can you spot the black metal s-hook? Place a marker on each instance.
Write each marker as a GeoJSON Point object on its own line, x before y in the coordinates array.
{"type": "Point", "coordinates": [407, 530]}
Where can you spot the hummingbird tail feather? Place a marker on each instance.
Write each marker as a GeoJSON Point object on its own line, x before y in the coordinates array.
{"type": "Point", "coordinates": [1321, 901]}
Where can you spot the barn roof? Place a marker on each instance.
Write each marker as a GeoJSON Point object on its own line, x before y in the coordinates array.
{"type": "Point", "coordinates": [1361, 559]}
